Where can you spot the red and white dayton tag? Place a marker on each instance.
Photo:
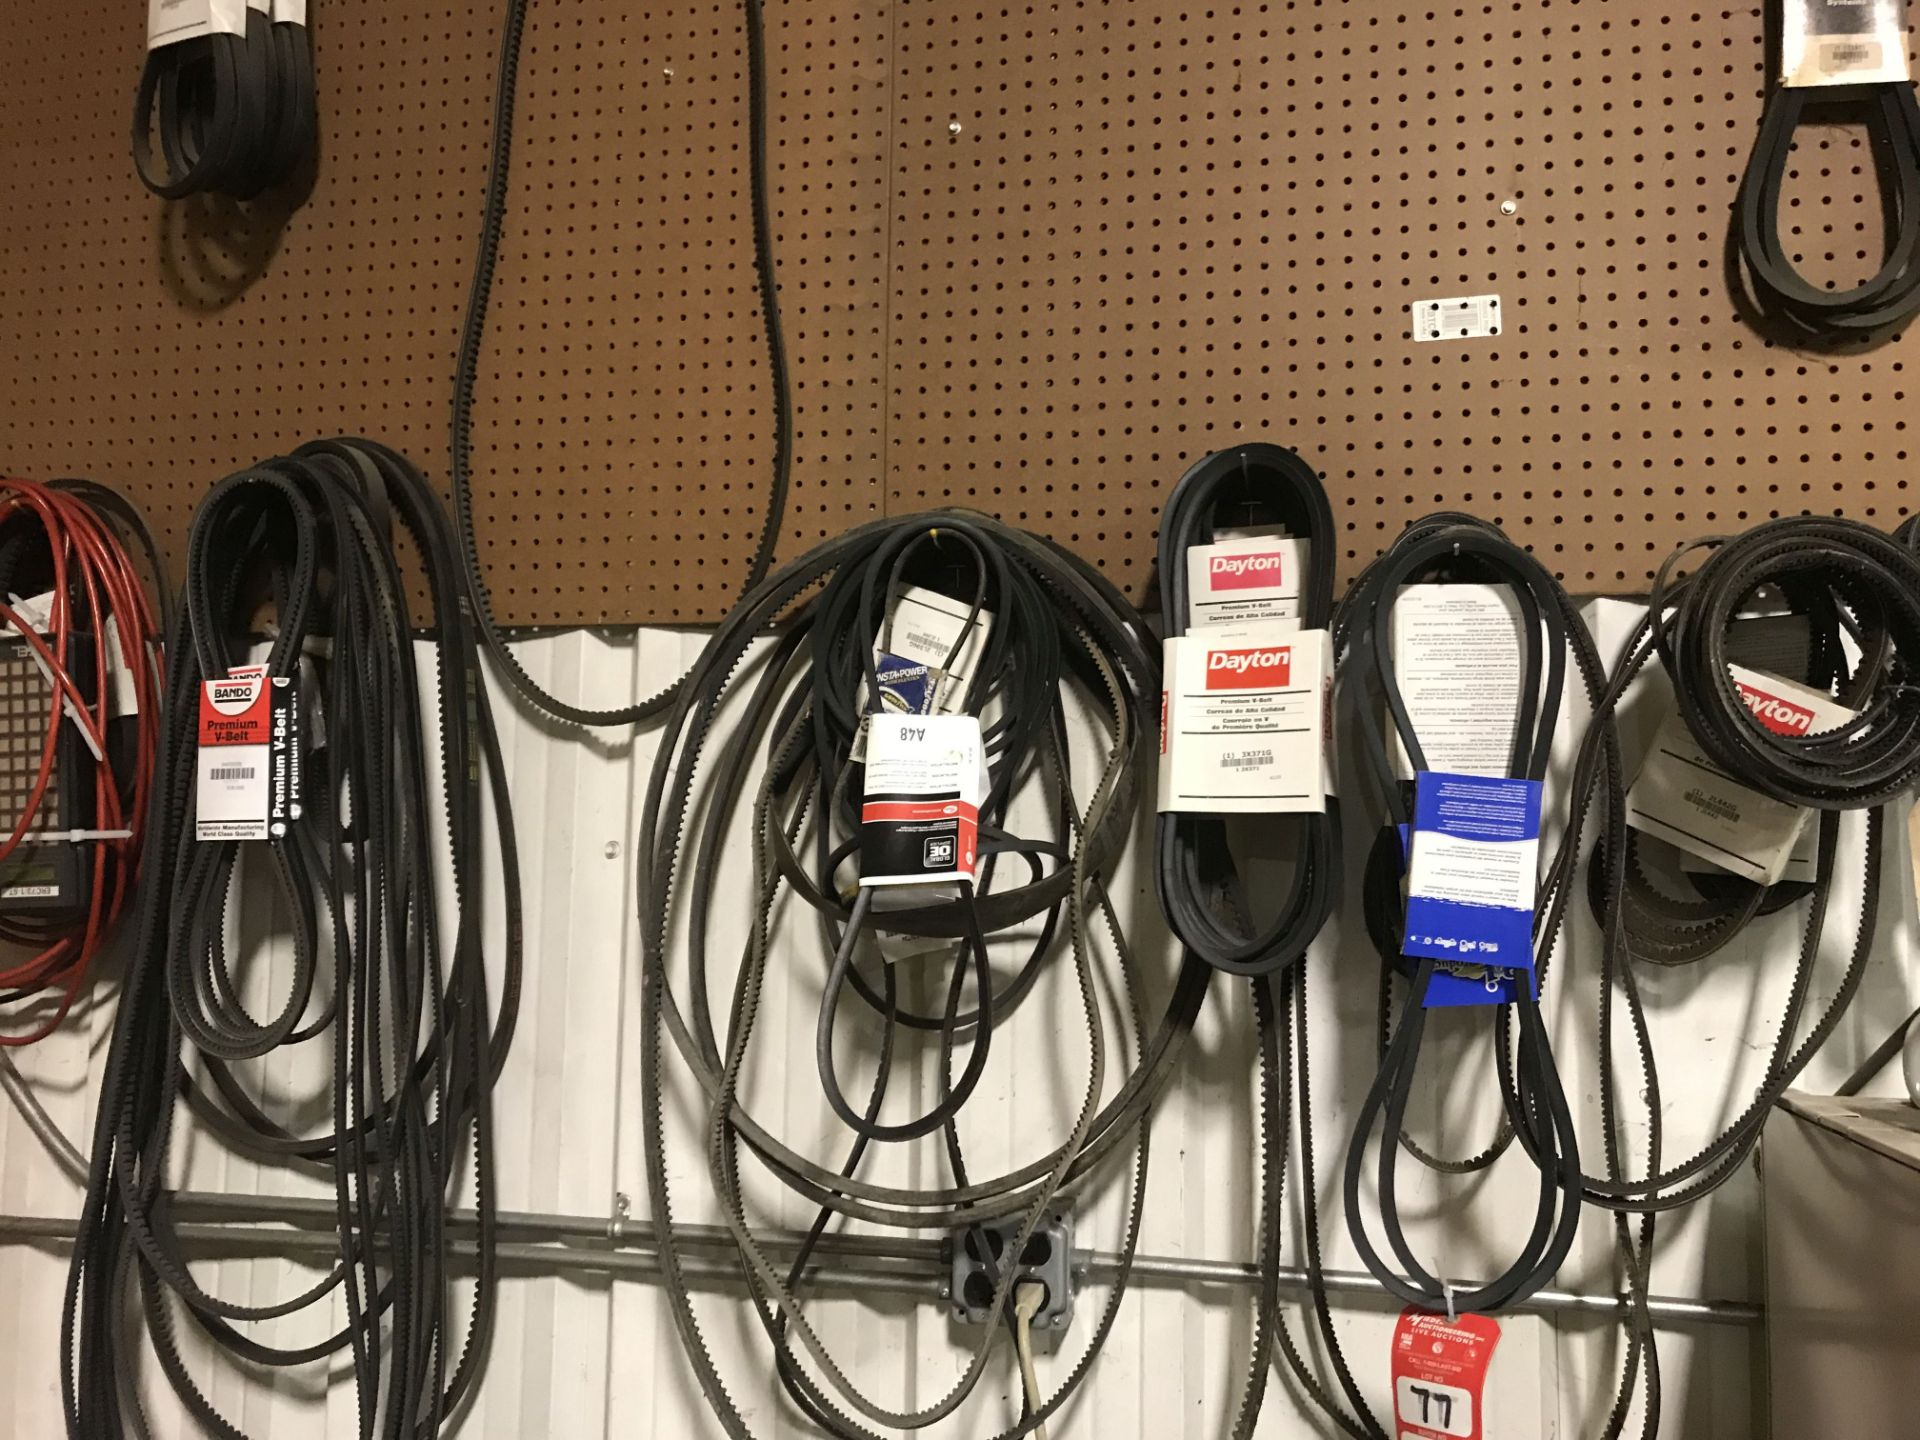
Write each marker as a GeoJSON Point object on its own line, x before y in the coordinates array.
{"type": "Point", "coordinates": [1261, 668]}
{"type": "Point", "coordinates": [1242, 581]}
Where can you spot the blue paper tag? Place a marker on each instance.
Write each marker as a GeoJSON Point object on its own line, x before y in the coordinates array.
{"type": "Point", "coordinates": [906, 686]}
{"type": "Point", "coordinates": [1470, 887]}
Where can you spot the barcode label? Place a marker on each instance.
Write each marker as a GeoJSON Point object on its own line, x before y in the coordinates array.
{"type": "Point", "coordinates": [1460, 317]}
{"type": "Point", "coordinates": [231, 772]}
{"type": "Point", "coordinates": [1848, 56]}
{"type": "Point", "coordinates": [1247, 759]}
{"type": "Point", "coordinates": [1843, 42]}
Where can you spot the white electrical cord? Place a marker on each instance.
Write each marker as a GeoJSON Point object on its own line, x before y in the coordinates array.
{"type": "Point", "coordinates": [1028, 1297]}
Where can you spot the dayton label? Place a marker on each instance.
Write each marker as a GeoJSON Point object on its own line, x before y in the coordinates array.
{"type": "Point", "coordinates": [1245, 572]}
{"type": "Point", "coordinates": [1266, 668]}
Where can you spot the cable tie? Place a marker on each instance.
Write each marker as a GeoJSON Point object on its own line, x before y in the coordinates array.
{"type": "Point", "coordinates": [77, 837]}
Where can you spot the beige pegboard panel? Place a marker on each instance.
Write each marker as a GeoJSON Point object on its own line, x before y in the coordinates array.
{"type": "Point", "coordinates": [1033, 257]}
{"type": "Point", "coordinates": [623, 430]}
{"type": "Point", "coordinates": [625, 412]}
{"type": "Point", "coordinates": [159, 347]}
{"type": "Point", "coordinates": [1129, 233]}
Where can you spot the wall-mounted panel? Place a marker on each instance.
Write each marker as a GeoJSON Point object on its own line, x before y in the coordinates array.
{"type": "Point", "coordinates": [1034, 257]}
{"type": "Point", "coordinates": [623, 429]}
{"type": "Point", "coordinates": [1127, 233]}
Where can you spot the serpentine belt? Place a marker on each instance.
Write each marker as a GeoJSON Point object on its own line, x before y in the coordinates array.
{"type": "Point", "coordinates": [1202, 893]}
{"type": "Point", "coordinates": [1443, 545]}
{"type": "Point", "coordinates": [1874, 582]}
{"type": "Point", "coordinates": [1892, 120]}
{"type": "Point", "coordinates": [801, 714]}
{"type": "Point", "coordinates": [233, 114]}
{"type": "Point", "coordinates": [1640, 1365]}
{"type": "Point", "coordinates": [473, 333]}
{"type": "Point", "coordinates": [414, 1054]}
{"type": "Point", "coordinates": [1682, 918]}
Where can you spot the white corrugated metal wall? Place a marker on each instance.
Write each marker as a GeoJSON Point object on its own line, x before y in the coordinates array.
{"type": "Point", "coordinates": [580, 1356]}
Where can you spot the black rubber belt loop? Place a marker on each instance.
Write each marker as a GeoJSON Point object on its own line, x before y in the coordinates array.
{"type": "Point", "coordinates": [1892, 120]}
{"type": "Point", "coordinates": [234, 114]}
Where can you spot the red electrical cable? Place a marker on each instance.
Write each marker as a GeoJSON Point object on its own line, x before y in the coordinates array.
{"type": "Point", "coordinates": [96, 591]}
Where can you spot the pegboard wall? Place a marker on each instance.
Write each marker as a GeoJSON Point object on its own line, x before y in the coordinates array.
{"type": "Point", "coordinates": [1034, 257]}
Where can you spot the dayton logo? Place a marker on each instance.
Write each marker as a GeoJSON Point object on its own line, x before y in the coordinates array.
{"type": "Point", "coordinates": [1270, 668]}
{"type": "Point", "coordinates": [1782, 717]}
{"type": "Point", "coordinates": [1244, 572]}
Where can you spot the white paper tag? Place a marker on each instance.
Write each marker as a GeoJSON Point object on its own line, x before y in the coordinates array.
{"type": "Point", "coordinates": [1232, 583]}
{"type": "Point", "coordinates": [1456, 654]}
{"type": "Point", "coordinates": [926, 776]}
{"type": "Point", "coordinates": [1777, 645]}
{"type": "Point", "coordinates": [1244, 720]}
{"type": "Point", "coordinates": [265, 7]}
{"type": "Point", "coordinates": [1843, 42]}
{"type": "Point", "coordinates": [171, 21]}
{"type": "Point", "coordinates": [1249, 532]}
{"type": "Point", "coordinates": [1681, 797]}
{"type": "Point", "coordinates": [1799, 866]}
{"type": "Point", "coordinates": [290, 12]}
{"type": "Point", "coordinates": [925, 627]}
{"type": "Point", "coordinates": [1459, 317]}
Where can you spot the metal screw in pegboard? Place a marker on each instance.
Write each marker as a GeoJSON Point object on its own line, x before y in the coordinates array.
{"type": "Point", "coordinates": [954, 127]}
{"type": "Point", "coordinates": [1509, 207]}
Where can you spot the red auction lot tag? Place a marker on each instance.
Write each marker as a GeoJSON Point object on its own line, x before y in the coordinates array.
{"type": "Point", "coordinates": [1439, 1371]}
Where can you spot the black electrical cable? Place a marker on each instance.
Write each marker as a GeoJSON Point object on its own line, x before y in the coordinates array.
{"type": "Point", "coordinates": [1204, 896]}
{"type": "Point", "coordinates": [232, 114]}
{"type": "Point", "coordinates": [1892, 121]}
{"type": "Point", "coordinates": [1449, 546]}
{"type": "Point", "coordinates": [401, 1003]}
{"type": "Point", "coordinates": [1055, 626]}
{"type": "Point", "coordinates": [473, 334]}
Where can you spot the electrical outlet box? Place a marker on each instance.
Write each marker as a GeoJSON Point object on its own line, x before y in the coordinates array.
{"type": "Point", "coordinates": [980, 1254]}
